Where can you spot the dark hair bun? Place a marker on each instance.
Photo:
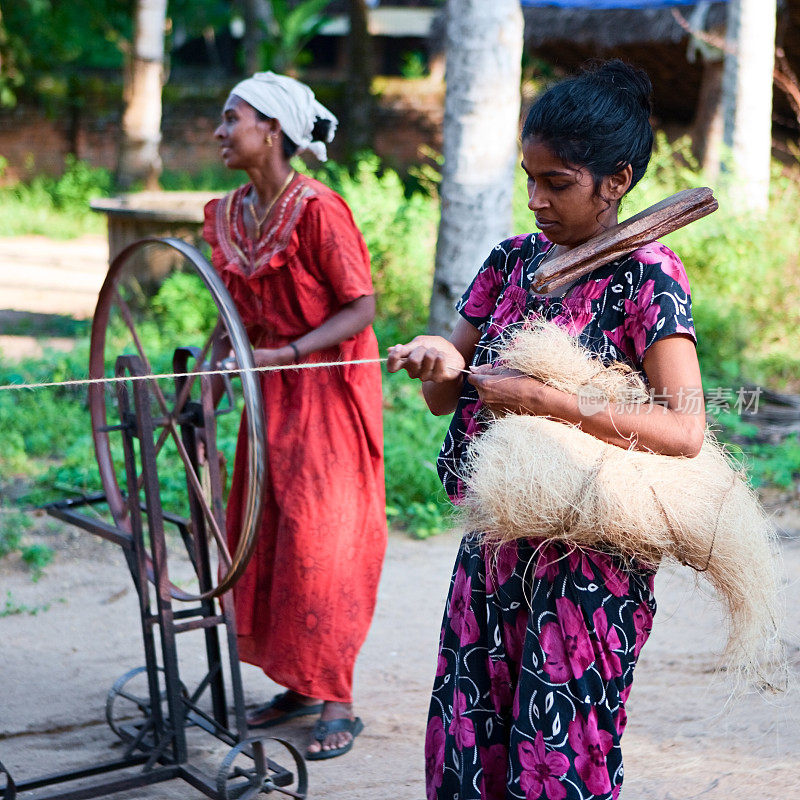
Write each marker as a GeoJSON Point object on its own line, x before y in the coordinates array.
{"type": "Point", "coordinates": [599, 120]}
{"type": "Point", "coordinates": [625, 78]}
{"type": "Point", "coordinates": [321, 130]}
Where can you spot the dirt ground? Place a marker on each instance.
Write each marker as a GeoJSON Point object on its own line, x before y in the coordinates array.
{"type": "Point", "coordinates": [78, 631]}
{"type": "Point", "coordinates": [682, 741]}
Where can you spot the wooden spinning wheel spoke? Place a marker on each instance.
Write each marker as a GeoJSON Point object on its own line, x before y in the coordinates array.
{"type": "Point", "coordinates": [186, 389]}
{"type": "Point", "coordinates": [170, 420]}
{"type": "Point", "coordinates": [175, 423]}
{"type": "Point", "coordinates": [131, 326]}
{"type": "Point", "coordinates": [194, 482]}
{"type": "Point", "coordinates": [162, 438]}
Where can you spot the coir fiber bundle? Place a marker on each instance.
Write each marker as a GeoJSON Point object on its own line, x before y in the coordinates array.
{"type": "Point", "coordinates": [530, 476]}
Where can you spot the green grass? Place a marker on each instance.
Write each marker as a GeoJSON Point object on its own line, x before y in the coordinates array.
{"type": "Point", "coordinates": [10, 607]}
{"type": "Point", "coordinates": [16, 535]}
{"type": "Point", "coordinates": [415, 499]}
{"type": "Point", "coordinates": [56, 207]}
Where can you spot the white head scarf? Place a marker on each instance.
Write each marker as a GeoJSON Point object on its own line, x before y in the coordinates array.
{"type": "Point", "coordinates": [290, 102]}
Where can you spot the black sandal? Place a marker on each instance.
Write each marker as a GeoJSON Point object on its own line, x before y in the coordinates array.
{"type": "Point", "coordinates": [325, 727]}
{"type": "Point", "coordinates": [286, 703]}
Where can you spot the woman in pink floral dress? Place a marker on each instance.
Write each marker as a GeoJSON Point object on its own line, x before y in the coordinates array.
{"type": "Point", "coordinates": [539, 642]}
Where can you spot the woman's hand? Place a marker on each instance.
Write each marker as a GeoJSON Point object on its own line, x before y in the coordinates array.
{"type": "Point", "coordinates": [429, 358]}
{"type": "Point", "coordinates": [673, 426]}
{"type": "Point", "coordinates": [439, 363]}
{"type": "Point", "coordinates": [273, 356]}
{"type": "Point", "coordinates": [508, 391]}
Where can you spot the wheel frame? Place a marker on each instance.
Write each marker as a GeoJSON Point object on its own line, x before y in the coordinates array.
{"type": "Point", "coordinates": [252, 747]}
{"type": "Point", "coordinates": [143, 703]}
{"type": "Point", "coordinates": [251, 391]}
{"type": "Point", "coordinates": [9, 791]}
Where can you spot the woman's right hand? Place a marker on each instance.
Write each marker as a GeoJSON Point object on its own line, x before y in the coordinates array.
{"type": "Point", "coordinates": [429, 358]}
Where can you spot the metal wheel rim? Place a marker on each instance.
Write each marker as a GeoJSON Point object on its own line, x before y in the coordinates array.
{"type": "Point", "coordinates": [251, 392]}
{"type": "Point", "coordinates": [301, 774]}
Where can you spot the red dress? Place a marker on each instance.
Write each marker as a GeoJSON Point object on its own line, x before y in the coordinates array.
{"type": "Point", "coordinates": [306, 600]}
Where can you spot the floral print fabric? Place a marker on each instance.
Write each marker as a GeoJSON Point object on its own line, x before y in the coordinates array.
{"type": "Point", "coordinates": [617, 311]}
{"type": "Point", "coordinates": [533, 675]}
{"type": "Point", "coordinates": [539, 643]}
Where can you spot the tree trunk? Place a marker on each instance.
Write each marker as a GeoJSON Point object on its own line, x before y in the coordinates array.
{"type": "Point", "coordinates": [747, 90]}
{"type": "Point", "coordinates": [707, 131]}
{"type": "Point", "coordinates": [139, 158]}
{"type": "Point", "coordinates": [360, 70]}
{"type": "Point", "coordinates": [481, 132]}
{"type": "Point", "coordinates": [257, 16]}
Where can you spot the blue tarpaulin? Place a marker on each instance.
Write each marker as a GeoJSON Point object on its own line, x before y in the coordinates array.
{"type": "Point", "coordinates": [604, 4]}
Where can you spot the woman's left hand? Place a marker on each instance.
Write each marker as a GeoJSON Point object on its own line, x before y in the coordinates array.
{"type": "Point", "coordinates": [273, 356]}
{"type": "Point", "coordinates": [508, 391]}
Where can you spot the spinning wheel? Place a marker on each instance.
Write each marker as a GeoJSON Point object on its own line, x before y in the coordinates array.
{"type": "Point", "coordinates": [148, 445]}
{"type": "Point", "coordinates": [123, 319]}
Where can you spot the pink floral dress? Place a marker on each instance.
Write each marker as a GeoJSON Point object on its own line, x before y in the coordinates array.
{"type": "Point", "coordinates": [539, 644]}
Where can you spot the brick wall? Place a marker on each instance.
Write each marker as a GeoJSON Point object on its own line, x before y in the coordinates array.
{"type": "Point", "coordinates": [409, 115]}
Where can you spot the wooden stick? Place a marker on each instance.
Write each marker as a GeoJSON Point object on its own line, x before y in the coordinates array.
{"type": "Point", "coordinates": [660, 219]}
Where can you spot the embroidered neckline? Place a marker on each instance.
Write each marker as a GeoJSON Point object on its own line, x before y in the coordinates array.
{"type": "Point", "coordinates": [238, 249]}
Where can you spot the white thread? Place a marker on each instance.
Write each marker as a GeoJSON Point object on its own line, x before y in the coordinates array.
{"type": "Point", "coordinates": [233, 371]}
{"type": "Point", "coordinates": [149, 377]}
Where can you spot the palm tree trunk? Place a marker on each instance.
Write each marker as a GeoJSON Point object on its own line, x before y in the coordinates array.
{"type": "Point", "coordinates": [747, 90]}
{"type": "Point", "coordinates": [481, 131]}
{"type": "Point", "coordinates": [707, 130]}
{"type": "Point", "coordinates": [360, 69]}
{"type": "Point", "coordinates": [257, 15]}
{"type": "Point", "coordinates": [139, 158]}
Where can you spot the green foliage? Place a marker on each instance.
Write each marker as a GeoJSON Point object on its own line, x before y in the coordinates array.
{"type": "Point", "coordinates": [413, 65]}
{"type": "Point", "coordinates": [11, 607]}
{"type": "Point", "coordinates": [51, 42]}
{"type": "Point", "coordinates": [724, 332]}
{"type": "Point", "coordinates": [212, 178]}
{"type": "Point", "coordinates": [15, 531]}
{"type": "Point", "coordinates": [37, 557]}
{"type": "Point", "coordinates": [777, 464]}
{"type": "Point", "coordinates": [12, 51]}
{"type": "Point", "coordinates": [182, 307]}
{"type": "Point", "coordinates": [78, 185]}
{"type": "Point", "coordinates": [412, 435]}
{"type": "Point", "coordinates": [13, 526]}
{"type": "Point", "coordinates": [57, 207]}
{"type": "Point", "coordinates": [292, 27]}
{"type": "Point", "coordinates": [196, 17]}
{"type": "Point", "coordinates": [400, 232]}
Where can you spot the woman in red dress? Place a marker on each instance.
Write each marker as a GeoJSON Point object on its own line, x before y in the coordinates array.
{"type": "Point", "coordinates": [298, 270]}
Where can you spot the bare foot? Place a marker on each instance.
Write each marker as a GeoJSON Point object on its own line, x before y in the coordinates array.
{"type": "Point", "coordinates": [333, 741]}
{"type": "Point", "coordinates": [285, 706]}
